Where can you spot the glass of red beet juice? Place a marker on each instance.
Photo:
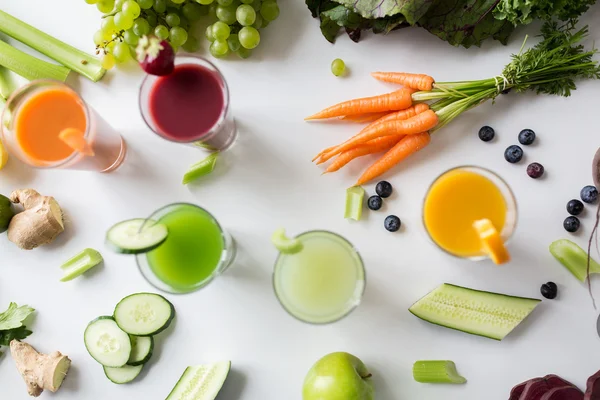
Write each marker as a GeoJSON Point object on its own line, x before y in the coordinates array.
{"type": "Point", "coordinates": [190, 105]}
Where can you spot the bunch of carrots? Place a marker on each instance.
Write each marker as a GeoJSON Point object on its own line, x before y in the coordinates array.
{"type": "Point", "coordinates": [402, 121]}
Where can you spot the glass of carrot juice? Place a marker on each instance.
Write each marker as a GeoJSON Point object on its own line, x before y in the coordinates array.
{"type": "Point", "coordinates": [37, 115]}
{"type": "Point", "coordinates": [470, 212]}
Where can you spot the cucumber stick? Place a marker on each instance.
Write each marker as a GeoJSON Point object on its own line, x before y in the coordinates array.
{"type": "Point", "coordinates": [82, 262]}
{"type": "Point", "coordinates": [107, 343]}
{"type": "Point", "coordinates": [433, 371]}
{"type": "Point", "coordinates": [136, 236]}
{"type": "Point", "coordinates": [472, 311]}
{"type": "Point", "coordinates": [202, 382]}
{"type": "Point", "coordinates": [123, 374]}
{"type": "Point", "coordinates": [144, 314]}
{"type": "Point", "coordinates": [141, 351]}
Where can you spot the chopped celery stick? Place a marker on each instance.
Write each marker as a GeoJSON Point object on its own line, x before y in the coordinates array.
{"type": "Point", "coordinates": [28, 66]}
{"type": "Point", "coordinates": [7, 83]}
{"type": "Point", "coordinates": [200, 169]}
{"type": "Point", "coordinates": [432, 371]}
{"type": "Point", "coordinates": [354, 202]}
{"type": "Point", "coordinates": [574, 258]}
{"type": "Point", "coordinates": [79, 264]}
{"type": "Point", "coordinates": [77, 60]}
{"type": "Point", "coordinates": [284, 244]}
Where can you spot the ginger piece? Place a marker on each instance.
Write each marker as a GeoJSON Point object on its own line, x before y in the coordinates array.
{"type": "Point", "coordinates": [40, 223]}
{"type": "Point", "coordinates": [40, 371]}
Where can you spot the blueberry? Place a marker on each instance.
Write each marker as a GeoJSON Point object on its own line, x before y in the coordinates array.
{"type": "Point", "coordinates": [375, 203]}
{"type": "Point", "coordinates": [549, 290]}
{"type": "Point", "coordinates": [513, 154]}
{"type": "Point", "coordinates": [486, 133]}
{"type": "Point", "coordinates": [535, 170]}
{"type": "Point", "coordinates": [589, 194]}
{"type": "Point", "coordinates": [392, 223]}
{"type": "Point", "coordinates": [571, 224]}
{"type": "Point", "coordinates": [574, 207]}
{"type": "Point", "coordinates": [526, 137]}
{"type": "Point", "coordinates": [384, 189]}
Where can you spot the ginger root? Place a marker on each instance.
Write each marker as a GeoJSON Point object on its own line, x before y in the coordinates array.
{"type": "Point", "coordinates": [40, 371]}
{"type": "Point", "coordinates": [40, 223]}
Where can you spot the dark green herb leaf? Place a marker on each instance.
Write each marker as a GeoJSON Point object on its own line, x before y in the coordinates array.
{"type": "Point", "coordinates": [19, 333]}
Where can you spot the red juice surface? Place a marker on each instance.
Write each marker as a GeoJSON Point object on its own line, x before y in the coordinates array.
{"type": "Point", "coordinates": [186, 104]}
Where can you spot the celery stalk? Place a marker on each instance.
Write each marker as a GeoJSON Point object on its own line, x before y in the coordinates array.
{"type": "Point", "coordinates": [7, 83]}
{"type": "Point", "coordinates": [28, 66]}
{"type": "Point", "coordinates": [434, 371]}
{"type": "Point", "coordinates": [354, 202]}
{"type": "Point", "coordinates": [61, 52]}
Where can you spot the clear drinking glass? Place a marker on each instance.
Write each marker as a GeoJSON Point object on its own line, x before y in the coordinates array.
{"type": "Point", "coordinates": [323, 282]}
{"type": "Point", "coordinates": [108, 145]}
{"type": "Point", "coordinates": [219, 137]}
{"type": "Point", "coordinates": [511, 207]}
{"type": "Point", "coordinates": [196, 251]}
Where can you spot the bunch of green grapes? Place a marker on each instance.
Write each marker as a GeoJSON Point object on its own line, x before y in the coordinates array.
{"type": "Point", "coordinates": [125, 21]}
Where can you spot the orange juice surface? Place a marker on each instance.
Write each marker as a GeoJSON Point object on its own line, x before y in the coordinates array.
{"type": "Point", "coordinates": [40, 120]}
{"type": "Point", "coordinates": [456, 200]}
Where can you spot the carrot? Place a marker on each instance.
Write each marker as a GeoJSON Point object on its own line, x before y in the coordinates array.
{"type": "Point", "coordinates": [372, 146]}
{"type": "Point", "coordinates": [405, 147]}
{"type": "Point", "coordinates": [417, 124]}
{"type": "Point", "coordinates": [398, 100]}
{"type": "Point", "coordinates": [413, 81]}
{"type": "Point", "coordinates": [368, 117]}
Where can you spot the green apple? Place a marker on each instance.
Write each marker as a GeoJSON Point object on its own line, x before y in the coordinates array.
{"type": "Point", "coordinates": [338, 376]}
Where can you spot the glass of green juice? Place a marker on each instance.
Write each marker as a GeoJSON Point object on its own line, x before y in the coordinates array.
{"type": "Point", "coordinates": [323, 282]}
{"type": "Point", "coordinates": [196, 250]}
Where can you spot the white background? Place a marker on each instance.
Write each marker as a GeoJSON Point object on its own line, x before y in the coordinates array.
{"type": "Point", "coordinates": [267, 181]}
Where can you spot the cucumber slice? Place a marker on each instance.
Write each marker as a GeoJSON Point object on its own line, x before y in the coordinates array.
{"type": "Point", "coordinates": [574, 258]}
{"type": "Point", "coordinates": [80, 263]}
{"type": "Point", "coordinates": [202, 382]}
{"type": "Point", "coordinates": [141, 351]}
{"type": "Point", "coordinates": [284, 244]}
{"type": "Point", "coordinates": [123, 374]}
{"type": "Point", "coordinates": [200, 169]}
{"type": "Point", "coordinates": [433, 371]}
{"type": "Point", "coordinates": [487, 314]}
{"type": "Point", "coordinates": [107, 343]}
{"type": "Point", "coordinates": [136, 236]}
{"type": "Point", "coordinates": [354, 202]}
{"type": "Point", "coordinates": [144, 314]}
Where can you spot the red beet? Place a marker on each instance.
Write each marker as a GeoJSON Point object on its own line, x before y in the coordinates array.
{"type": "Point", "coordinates": [555, 381]}
{"type": "Point", "coordinates": [563, 393]}
{"type": "Point", "coordinates": [535, 389]}
{"type": "Point", "coordinates": [516, 392]}
{"type": "Point", "coordinates": [593, 387]}
{"type": "Point", "coordinates": [156, 57]}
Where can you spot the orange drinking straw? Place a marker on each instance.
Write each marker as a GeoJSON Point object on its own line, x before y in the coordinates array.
{"type": "Point", "coordinates": [75, 139]}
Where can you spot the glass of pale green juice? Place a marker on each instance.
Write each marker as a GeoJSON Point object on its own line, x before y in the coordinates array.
{"type": "Point", "coordinates": [323, 282]}
{"type": "Point", "coordinates": [196, 250]}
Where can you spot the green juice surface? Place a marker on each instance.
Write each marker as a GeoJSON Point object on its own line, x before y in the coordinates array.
{"type": "Point", "coordinates": [192, 250]}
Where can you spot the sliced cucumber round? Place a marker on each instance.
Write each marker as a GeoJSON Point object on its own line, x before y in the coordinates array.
{"type": "Point", "coordinates": [136, 236]}
{"type": "Point", "coordinates": [107, 343]}
{"type": "Point", "coordinates": [201, 382]}
{"type": "Point", "coordinates": [141, 351]}
{"type": "Point", "coordinates": [123, 374]}
{"type": "Point", "coordinates": [144, 314]}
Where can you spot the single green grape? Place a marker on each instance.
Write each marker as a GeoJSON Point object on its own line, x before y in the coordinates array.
{"type": "Point", "coordinates": [178, 1]}
{"type": "Point", "coordinates": [249, 37]}
{"type": "Point", "coordinates": [208, 33]}
{"type": "Point", "coordinates": [141, 27]}
{"type": "Point", "coordinates": [161, 32]}
{"type": "Point", "coordinates": [256, 5]}
{"type": "Point", "coordinates": [131, 7]}
{"type": "Point", "coordinates": [265, 23]}
{"type": "Point", "coordinates": [192, 11]}
{"type": "Point", "coordinates": [219, 48]}
{"type": "Point", "coordinates": [178, 36]}
{"type": "Point", "coordinates": [243, 52]}
{"type": "Point", "coordinates": [91, 1]}
{"type": "Point", "coordinates": [105, 6]}
{"type": "Point", "coordinates": [225, 2]}
{"type": "Point", "coordinates": [233, 42]}
{"type": "Point", "coordinates": [338, 67]}
{"type": "Point", "coordinates": [119, 4]}
{"type": "Point", "coordinates": [184, 23]}
{"type": "Point", "coordinates": [226, 14]}
{"type": "Point", "coordinates": [220, 30]}
{"type": "Point", "coordinates": [269, 10]}
{"type": "Point", "coordinates": [247, 1]}
{"type": "Point", "coordinates": [160, 6]}
{"type": "Point", "coordinates": [130, 37]}
{"type": "Point", "coordinates": [108, 25]}
{"type": "Point", "coordinates": [212, 10]}
{"type": "Point", "coordinates": [151, 18]}
{"type": "Point", "coordinates": [205, 2]}
{"type": "Point", "coordinates": [107, 61]}
{"type": "Point", "coordinates": [258, 22]}
{"type": "Point", "coordinates": [172, 19]}
{"type": "Point", "coordinates": [100, 37]}
{"type": "Point", "coordinates": [123, 21]}
{"type": "Point", "coordinates": [191, 45]}
{"type": "Point", "coordinates": [145, 4]}
{"type": "Point", "coordinates": [121, 52]}
{"type": "Point", "coordinates": [245, 15]}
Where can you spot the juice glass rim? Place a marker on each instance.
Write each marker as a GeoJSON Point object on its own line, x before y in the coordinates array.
{"type": "Point", "coordinates": [362, 269]}
{"type": "Point", "coordinates": [18, 92]}
{"type": "Point", "coordinates": [165, 287]}
{"type": "Point", "coordinates": [183, 60]}
{"type": "Point", "coordinates": [511, 205]}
